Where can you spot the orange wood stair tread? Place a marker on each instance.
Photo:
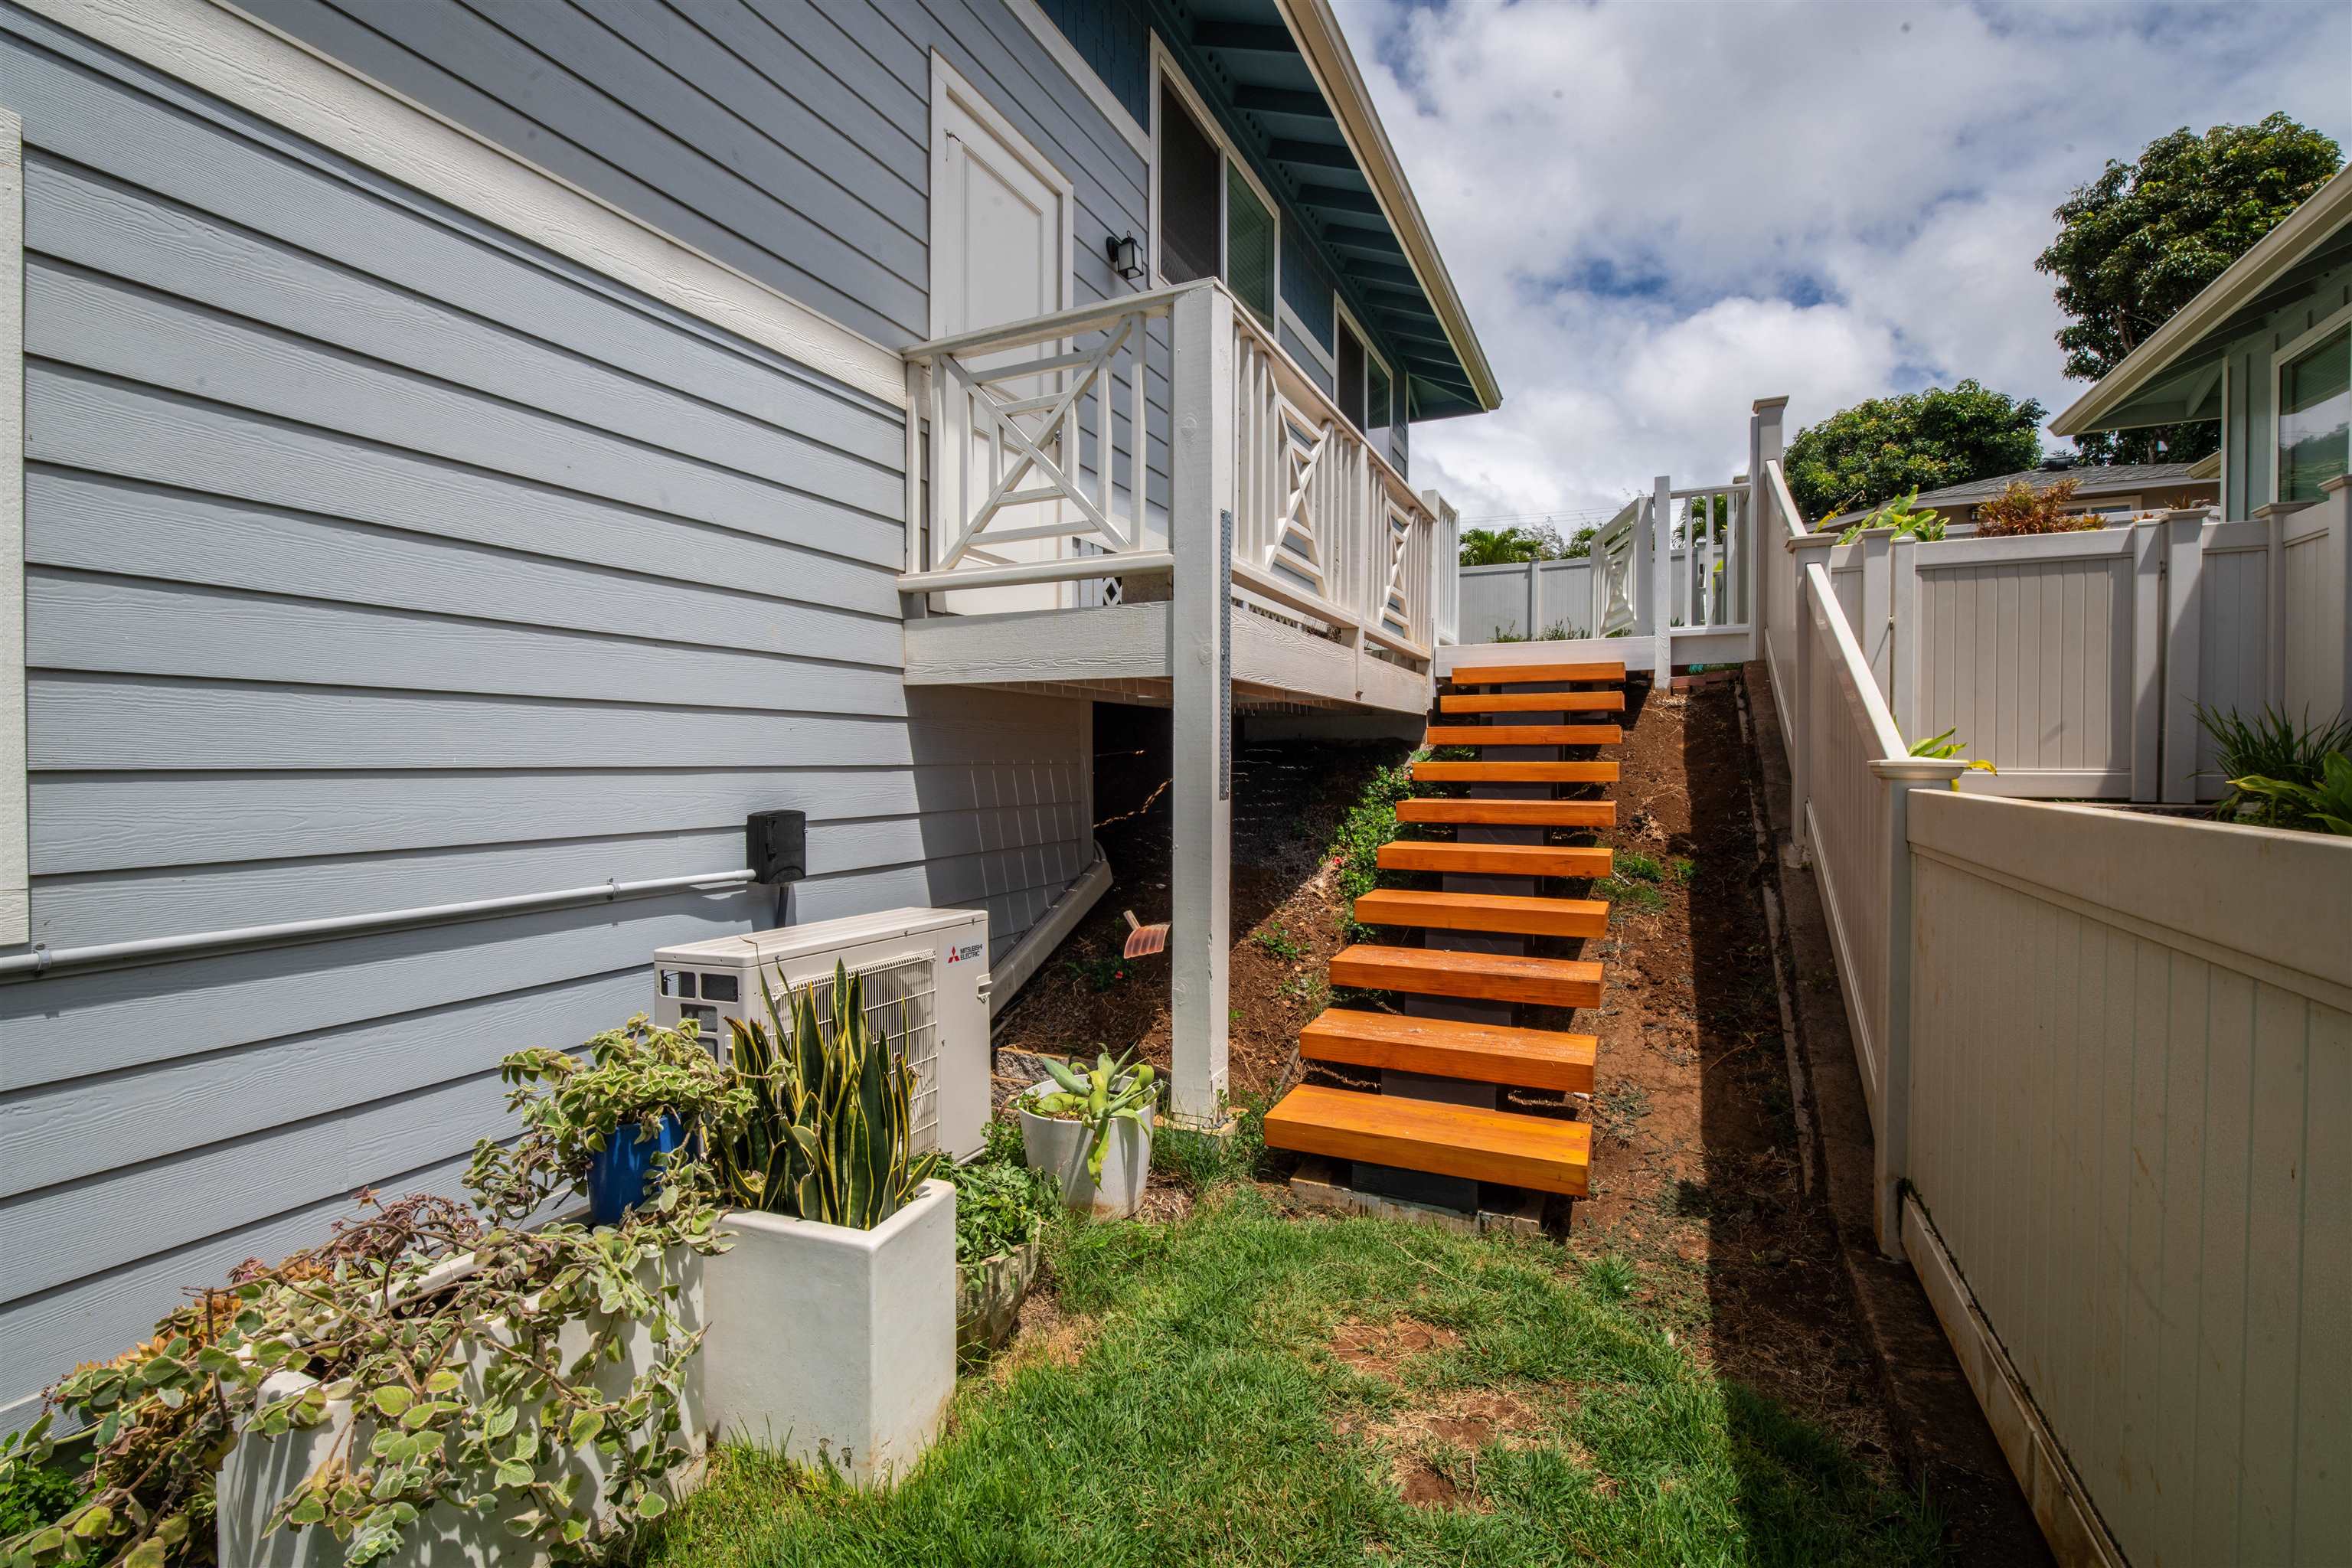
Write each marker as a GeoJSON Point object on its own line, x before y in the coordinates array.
{"type": "Point", "coordinates": [1532, 702]}
{"type": "Point", "coordinates": [1445, 1048]}
{"type": "Point", "coordinates": [1495, 859]}
{"type": "Point", "coordinates": [1523, 674]}
{"type": "Point", "coordinates": [1483, 976]}
{"type": "Point", "coordinates": [1523, 735]}
{"type": "Point", "coordinates": [1516, 772]}
{"type": "Point", "coordinates": [1505, 912]}
{"type": "Point", "coordinates": [1543, 1153]}
{"type": "Point", "coordinates": [1510, 813]}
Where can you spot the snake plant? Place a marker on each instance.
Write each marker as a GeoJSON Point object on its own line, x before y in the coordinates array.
{"type": "Point", "coordinates": [828, 1134]}
{"type": "Point", "coordinates": [1098, 1096]}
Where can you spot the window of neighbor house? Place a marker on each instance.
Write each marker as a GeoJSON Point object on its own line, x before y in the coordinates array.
{"type": "Point", "coordinates": [2314, 418]}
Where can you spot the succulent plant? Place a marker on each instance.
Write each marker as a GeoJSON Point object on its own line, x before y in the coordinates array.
{"type": "Point", "coordinates": [1098, 1096]}
{"type": "Point", "coordinates": [827, 1134]}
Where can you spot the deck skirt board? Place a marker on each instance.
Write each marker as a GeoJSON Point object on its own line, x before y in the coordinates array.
{"type": "Point", "coordinates": [1487, 976]}
{"type": "Point", "coordinates": [1539, 1152]}
{"type": "Point", "coordinates": [1444, 1047]}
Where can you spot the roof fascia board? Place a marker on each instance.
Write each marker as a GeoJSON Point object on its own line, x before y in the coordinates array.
{"type": "Point", "coordinates": [2302, 230]}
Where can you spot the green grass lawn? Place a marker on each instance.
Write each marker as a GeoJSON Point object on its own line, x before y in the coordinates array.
{"type": "Point", "coordinates": [1244, 1386]}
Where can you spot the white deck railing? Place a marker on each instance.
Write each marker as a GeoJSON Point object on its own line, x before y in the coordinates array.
{"type": "Point", "coordinates": [1035, 482]}
{"type": "Point", "coordinates": [1711, 529]}
{"type": "Point", "coordinates": [1621, 562]}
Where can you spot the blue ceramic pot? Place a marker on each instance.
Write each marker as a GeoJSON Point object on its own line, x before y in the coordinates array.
{"type": "Point", "coordinates": [620, 1177]}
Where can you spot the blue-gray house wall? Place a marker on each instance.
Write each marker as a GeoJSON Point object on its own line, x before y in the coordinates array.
{"type": "Point", "coordinates": [377, 558]}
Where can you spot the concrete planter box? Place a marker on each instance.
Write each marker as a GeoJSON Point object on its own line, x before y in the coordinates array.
{"type": "Point", "coordinates": [261, 1471]}
{"type": "Point", "coordinates": [833, 1345]}
{"type": "Point", "coordinates": [1060, 1147]}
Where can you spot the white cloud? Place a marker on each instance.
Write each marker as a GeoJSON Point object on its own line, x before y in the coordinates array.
{"type": "Point", "coordinates": [1657, 212]}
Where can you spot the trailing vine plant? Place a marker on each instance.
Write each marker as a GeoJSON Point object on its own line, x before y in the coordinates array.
{"type": "Point", "coordinates": [454, 1353]}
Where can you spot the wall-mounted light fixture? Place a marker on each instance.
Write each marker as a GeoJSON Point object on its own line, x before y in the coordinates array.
{"type": "Point", "coordinates": [1126, 256]}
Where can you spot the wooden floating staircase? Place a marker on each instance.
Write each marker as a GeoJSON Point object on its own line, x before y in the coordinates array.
{"type": "Point", "coordinates": [1473, 1143]}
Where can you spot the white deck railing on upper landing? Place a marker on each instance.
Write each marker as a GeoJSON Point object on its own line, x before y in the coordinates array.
{"type": "Point", "coordinates": [1034, 482]}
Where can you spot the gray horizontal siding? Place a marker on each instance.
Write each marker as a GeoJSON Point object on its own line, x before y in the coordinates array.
{"type": "Point", "coordinates": [789, 140]}
{"type": "Point", "coordinates": [375, 560]}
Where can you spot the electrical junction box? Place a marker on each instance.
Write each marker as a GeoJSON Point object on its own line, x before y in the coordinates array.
{"type": "Point", "coordinates": [927, 967]}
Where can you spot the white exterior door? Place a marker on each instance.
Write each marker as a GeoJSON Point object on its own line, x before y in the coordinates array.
{"type": "Point", "coordinates": [1001, 219]}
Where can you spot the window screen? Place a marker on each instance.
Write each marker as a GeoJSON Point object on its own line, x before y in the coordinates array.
{"type": "Point", "coordinates": [1351, 376]}
{"type": "Point", "coordinates": [1191, 175]}
{"type": "Point", "coordinates": [1249, 246]}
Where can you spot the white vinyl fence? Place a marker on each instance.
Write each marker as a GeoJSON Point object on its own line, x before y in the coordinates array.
{"type": "Point", "coordinates": [2107, 1054]}
{"type": "Point", "coordinates": [2075, 662]}
{"type": "Point", "coordinates": [2129, 1136]}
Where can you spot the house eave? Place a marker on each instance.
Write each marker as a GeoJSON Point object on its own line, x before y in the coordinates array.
{"type": "Point", "coordinates": [2106, 406]}
{"type": "Point", "coordinates": [1333, 64]}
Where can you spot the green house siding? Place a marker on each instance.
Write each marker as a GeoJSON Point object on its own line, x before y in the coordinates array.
{"type": "Point", "coordinates": [2249, 414]}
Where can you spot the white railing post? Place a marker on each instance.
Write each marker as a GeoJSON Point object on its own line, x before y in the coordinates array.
{"type": "Point", "coordinates": [1662, 576]}
{"type": "Point", "coordinates": [2184, 590]}
{"type": "Point", "coordinates": [2148, 660]}
{"type": "Point", "coordinates": [1891, 1147]}
{"type": "Point", "coordinates": [1798, 708]}
{"type": "Point", "coordinates": [1201, 535]}
{"type": "Point", "coordinates": [1902, 635]}
{"type": "Point", "coordinates": [1765, 524]}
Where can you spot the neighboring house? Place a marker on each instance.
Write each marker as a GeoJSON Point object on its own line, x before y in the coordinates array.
{"type": "Point", "coordinates": [2121, 490]}
{"type": "Point", "coordinates": [2265, 348]}
{"type": "Point", "coordinates": [465, 456]}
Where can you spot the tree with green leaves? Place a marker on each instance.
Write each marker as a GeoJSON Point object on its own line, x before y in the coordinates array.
{"type": "Point", "coordinates": [2137, 243]}
{"type": "Point", "coordinates": [1884, 447]}
{"type": "Point", "coordinates": [1503, 546]}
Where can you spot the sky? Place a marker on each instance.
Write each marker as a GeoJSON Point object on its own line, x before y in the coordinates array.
{"type": "Point", "coordinates": [1660, 210]}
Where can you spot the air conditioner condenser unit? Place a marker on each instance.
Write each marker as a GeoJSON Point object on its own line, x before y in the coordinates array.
{"type": "Point", "coordinates": [927, 967]}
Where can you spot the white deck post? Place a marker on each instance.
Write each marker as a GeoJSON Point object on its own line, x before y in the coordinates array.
{"type": "Point", "coordinates": [1661, 578]}
{"type": "Point", "coordinates": [2337, 490]}
{"type": "Point", "coordinates": [2184, 596]}
{"type": "Point", "coordinates": [1200, 530]}
{"type": "Point", "coordinates": [1870, 628]}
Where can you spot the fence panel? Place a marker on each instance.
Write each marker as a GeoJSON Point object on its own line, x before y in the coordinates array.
{"type": "Point", "coordinates": [2315, 643]}
{"type": "Point", "coordinates": [1524, 599]}
{"type": "Point", "coordinates": [2135, 1143]}
{"type": "Point", "coordinates": [2233, 659]}
{"type": "Point", "coordinates": [2026, 651]}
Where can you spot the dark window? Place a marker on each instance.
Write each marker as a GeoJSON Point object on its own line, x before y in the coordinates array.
{"type": "Point", "coordinates": [1192, 178]}
{"type": "Point", "coordinates": [1351, 376]}
{"type": "Point", "coordinates": [1249, 246]}
{"type": "Point", "coordinates": [1376, 402]}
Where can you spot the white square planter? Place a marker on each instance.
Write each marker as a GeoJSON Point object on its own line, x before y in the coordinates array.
{"type": "Point", "coordinates": [835, 1345]}
{"type": "Point", "coordinates": [261, 1471]}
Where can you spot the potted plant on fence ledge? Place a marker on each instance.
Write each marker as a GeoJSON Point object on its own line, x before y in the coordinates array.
{"type": "Point", "coordinates": [832, 1317]}
{"type": "Point", "coordinates": [1091, 1129]}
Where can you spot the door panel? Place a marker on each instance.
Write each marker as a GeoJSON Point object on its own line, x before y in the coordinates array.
{"type": "Point", "coordinates": [1001, 219]}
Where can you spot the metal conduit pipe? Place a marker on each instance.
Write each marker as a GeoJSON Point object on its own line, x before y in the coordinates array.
{"type": "Point", "coordinates": [44, 960]}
